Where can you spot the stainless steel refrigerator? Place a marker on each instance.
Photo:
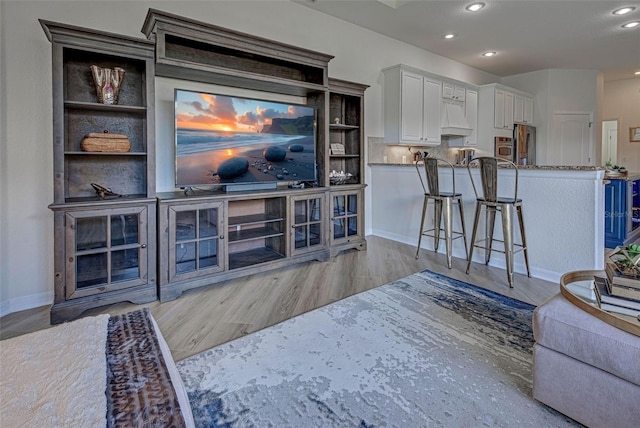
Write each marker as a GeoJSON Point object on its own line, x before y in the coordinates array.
{"type": "Point", "coordinates": [524, 144]}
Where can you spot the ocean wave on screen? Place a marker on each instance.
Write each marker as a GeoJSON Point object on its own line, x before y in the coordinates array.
{"type": "Point", "coordinates": [196, 141]}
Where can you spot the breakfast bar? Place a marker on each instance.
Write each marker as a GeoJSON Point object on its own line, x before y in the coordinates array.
{"type": "Point", "coordinates": [563, 208]}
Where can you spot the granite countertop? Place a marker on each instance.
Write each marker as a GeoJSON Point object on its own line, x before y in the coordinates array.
{"type": "Point", "coordinates": [533, 167]}
{"type": "Point", "coordinates": [629, 176]}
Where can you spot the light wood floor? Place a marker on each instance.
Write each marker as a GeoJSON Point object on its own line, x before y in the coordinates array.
{"type": "Point", "coordinates": [205, 317]}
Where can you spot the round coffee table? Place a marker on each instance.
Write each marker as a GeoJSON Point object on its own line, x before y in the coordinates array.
{"type": "Point", "coordinates": [626, 323]}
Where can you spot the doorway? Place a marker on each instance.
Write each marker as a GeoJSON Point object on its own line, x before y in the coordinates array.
{"type": "Point", "coordinates": [572, 140]}
{"type": "Point", "coordinates": [610, 142]}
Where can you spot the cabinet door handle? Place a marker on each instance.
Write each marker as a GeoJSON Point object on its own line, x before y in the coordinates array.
{"type": "Point", "coordinates": [143, 246]}
{"type": "Point", "coordinates": [221, 236]}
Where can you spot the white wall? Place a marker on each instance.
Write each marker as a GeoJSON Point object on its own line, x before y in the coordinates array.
{"type": "Point", "coordinates": [622, 102]}
{"type": "Point", "coordinates": [557, 91]}
{"type": "Point", "coordinates": [26, 224]}
{"type": "Point", "coordinates": [563, 216]}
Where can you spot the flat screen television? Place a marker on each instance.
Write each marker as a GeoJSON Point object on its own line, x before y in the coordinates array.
{"type": "Point", "coordinates": [235, 141]}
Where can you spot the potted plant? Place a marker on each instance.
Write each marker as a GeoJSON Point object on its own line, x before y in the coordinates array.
{"type": "Point", "coordinates": [627, 260]}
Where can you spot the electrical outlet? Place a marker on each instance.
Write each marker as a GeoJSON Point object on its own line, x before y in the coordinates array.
{"type": "Point", "coordinates": [385, 159]}
{"type": "Point", "coordinates": [404, 159]}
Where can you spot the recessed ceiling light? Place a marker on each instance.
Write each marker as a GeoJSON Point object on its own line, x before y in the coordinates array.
{"type": "Point", "coordinates": [631, 24]}
{"type": "Point", "coordinates": [449, 36]}
{"type": "Point", "coordinates": [489, 53]}
{"type": "Point", "coordinates": [637, 73]}
{"type": "Point", "coordinates": [475, 7]}
{"type": "Point", "coordinates": [624, 10]}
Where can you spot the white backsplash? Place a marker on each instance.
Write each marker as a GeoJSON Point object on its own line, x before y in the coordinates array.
{"type": "Point", "coordinates": [379, 152]}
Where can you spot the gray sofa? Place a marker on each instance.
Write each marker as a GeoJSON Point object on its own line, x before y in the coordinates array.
{"type": "Point", "coordinates": [584, 367]}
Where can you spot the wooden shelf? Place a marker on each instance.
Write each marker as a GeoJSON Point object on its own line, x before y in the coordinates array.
{"type": "Point", "coordinates": [253, 257]}
{"type": "Point", "coordinates": [81, 105]}
{"type": "Point", "coordinates": [345, 156]}
{"type": "Point", "coordinates": [343, 127]}
{"type": "Point", "coordinates": [253, 219]}
{"type": "Point", "coordinates": [252, 234]}
{"type": "Point", "coordinates": [199, 51]}
{"type": "Point", "coordinates": [75, 153]}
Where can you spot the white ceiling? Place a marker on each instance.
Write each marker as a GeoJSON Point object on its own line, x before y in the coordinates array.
{"type": "Point", "coordinates": [528, 35]}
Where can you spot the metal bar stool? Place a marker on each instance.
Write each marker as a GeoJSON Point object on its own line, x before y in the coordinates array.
{"type": "Point", "coordinates": [488, 167]}
{"type": "Point", "coordinates": [443, 206]}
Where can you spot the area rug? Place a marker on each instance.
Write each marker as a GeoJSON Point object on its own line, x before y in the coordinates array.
{"type": "Point", "coordinates": [423, 351]}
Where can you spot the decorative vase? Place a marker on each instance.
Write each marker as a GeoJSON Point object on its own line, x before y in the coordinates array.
{"type": "Point", "coordinates": [108, 83]}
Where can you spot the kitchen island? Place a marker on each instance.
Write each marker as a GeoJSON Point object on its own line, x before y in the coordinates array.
{"type": "Point", "coordinates": [563, 210]}
{"type": "Point", "coordinates": [622, 209]}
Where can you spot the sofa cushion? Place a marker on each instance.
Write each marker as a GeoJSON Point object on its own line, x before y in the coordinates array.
{"type": "Point", "coordinates": [565, 328]}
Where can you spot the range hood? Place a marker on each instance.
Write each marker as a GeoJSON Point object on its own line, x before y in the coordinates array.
{"type": "Point", "coordinates": [453, 121]}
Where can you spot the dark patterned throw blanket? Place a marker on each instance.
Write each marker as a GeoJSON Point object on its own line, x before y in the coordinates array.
{"type": "Point", "coordinates": [139, 389]}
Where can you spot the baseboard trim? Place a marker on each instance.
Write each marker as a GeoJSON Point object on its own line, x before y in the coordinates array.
{"type": "Point", "coordinates": [25, 302]}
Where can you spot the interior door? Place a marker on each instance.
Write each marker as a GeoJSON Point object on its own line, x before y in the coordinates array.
{"type": "Point", "coordinates": [572, 143]}
{"type": "Point", "coordinates": [610, 141]}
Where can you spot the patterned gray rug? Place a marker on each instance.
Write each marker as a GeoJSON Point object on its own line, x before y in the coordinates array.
{"type": "Point", "coordinates": [423, 351]}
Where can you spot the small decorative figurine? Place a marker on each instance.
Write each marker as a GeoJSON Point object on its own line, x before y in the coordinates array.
{"type": "Point", "coordinates": [103, 191]}
{"type": "Point", "coordinates": [108, 82]}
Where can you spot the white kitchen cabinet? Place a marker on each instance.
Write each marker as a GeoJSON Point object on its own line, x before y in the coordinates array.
{"type": "Point", "coordinates": [452, 91]}
{"type": "Point", "coordinates": [522, 109]}
{"type": "Point", "coordinates": [528, 110]}
{"type": "Point", "coordinates": [431, 111]}
{"type": "Point", "coordinates": [471, 115]}
{"type": "Point", "coordinates": [518, 108]}
{"type": "Point", "coordinates": [411, 107]}
{"type": "Point", "coordinates": [503, 109]}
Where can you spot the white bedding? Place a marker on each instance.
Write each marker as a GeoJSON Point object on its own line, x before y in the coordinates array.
{"type": "Point", "coordinates": [55, 377]}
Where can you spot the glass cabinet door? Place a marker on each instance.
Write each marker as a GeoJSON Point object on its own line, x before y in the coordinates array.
{"type": "Point", "coordinates": [195, 242]}
{"type": "Point", "coordinates": [105, 250]}
{"type": "Point", "coordinates": [307, 222]}
{"type": "Point", "coordinates": [345, 215]}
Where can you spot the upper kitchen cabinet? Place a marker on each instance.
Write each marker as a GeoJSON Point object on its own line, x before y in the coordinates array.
{"type": "Point", "coordinates": [451, 91]}
{"type": "Point", "coordinates": [503, 109]}
{"type": "Point", "coordinates": [508, 105]}
{"type": "Point", "coordinates": [522, 109]}
{"type": "Point", "coordinates": [471, 117]}
{"type": "Point", "coordinates": [411, 107]}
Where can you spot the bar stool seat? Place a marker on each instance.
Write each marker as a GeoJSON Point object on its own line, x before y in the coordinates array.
{"type": "Point", "coordinates": [500, 201]}
{"type": "Point", "coordinates": [443, 207]}
{"type": "Point", "coordinates": [492, 203]}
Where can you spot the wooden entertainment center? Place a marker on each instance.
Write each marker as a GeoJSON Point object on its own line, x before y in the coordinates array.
{"type": "Point", "coordinates": [134, 244]}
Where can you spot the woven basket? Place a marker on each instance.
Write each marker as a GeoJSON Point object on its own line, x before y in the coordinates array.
{"type": "Point", "coordinates": [105, 142]}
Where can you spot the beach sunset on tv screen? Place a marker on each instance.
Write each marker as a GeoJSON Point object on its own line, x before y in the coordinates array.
{"type": "Point", "coordinates": [222, 139]}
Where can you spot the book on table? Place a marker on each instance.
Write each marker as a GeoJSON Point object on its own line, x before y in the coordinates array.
{"type": "Point", "coordinates": [620, 310]}
{"type": "Point", "coordinates": [626, 292]}
{"type": "Point", "coordinates": [615, 277]}
{"type": "Point", "coordinates": [609, 302]}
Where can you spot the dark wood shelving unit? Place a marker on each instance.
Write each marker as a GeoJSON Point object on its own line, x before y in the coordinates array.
{"type": "Point", "coordinates": [205, 237]}
{"type": "Point", "coordinates": [93, 265]}
{"type": "Point", "coordinates": [346, 115]}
